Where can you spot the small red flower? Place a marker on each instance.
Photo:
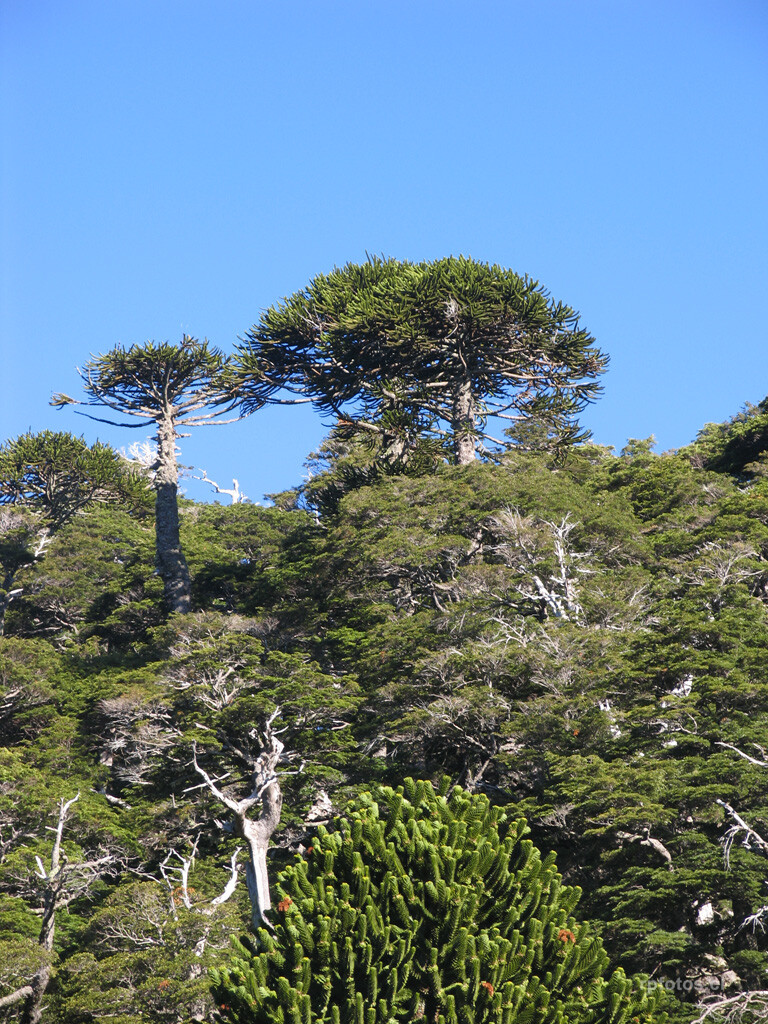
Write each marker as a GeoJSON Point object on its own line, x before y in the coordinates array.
{"type": "Point", "coordinates": [283, 905]}
{"type": "Point", "coordinates": [488, 986]}
{"type": "Point", "coordinates": [566, 935]}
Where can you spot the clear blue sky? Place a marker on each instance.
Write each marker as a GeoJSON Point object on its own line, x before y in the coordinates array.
{"type": "Point", "coordinates": [174, 166]}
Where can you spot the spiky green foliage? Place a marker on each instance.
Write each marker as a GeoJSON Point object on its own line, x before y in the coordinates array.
{"type": "Point", "coordinates": [141, 379]}
{"type": "Point", "coordinates": [424, 904]}
{"type": "Point", "coordinates": [59, 475]}
{"type": "Point", "coordinates": [401, 350]}
{"type": "Point", "coordinates": [348, 460]}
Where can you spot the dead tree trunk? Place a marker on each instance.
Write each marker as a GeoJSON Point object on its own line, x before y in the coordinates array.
{"type": "Point", "coordinates": [54, 877]}
{"type": "Point", "coordinates": [57, 880]}
{"type": "Point", "coordinates": [266, 793]}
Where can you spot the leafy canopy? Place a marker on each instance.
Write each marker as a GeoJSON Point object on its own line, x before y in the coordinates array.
{"type": "Point", "coordinates": [439, 345]}
{"type": "Point", "coordinates": [145, 380]}
{"type": "Point", "coordinates": [60, 474]}
{"type": "Point", "coordinates": [739, 446]}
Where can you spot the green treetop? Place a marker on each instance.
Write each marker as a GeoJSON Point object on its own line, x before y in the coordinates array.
{"type": "Point", "coordinates": [46, 479]}
{"type": "Point", "coordinates": [172, 386]}
{"type": "Point", "coordinates": [421, 905]}
{"type": "Point", "coordinates": [59, 475]}
{"type": "Point", "coordinates": [739, 446]}
{"type": "Point", "coordinates": [399, 349]}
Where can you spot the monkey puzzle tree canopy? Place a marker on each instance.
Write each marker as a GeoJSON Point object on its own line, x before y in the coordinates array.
{"type": "Point", "coordinates": [392, 347]}
{"type": "Point", "coordinates": [59, 474]}
{"type": "Point", "coordinates": [171, 386]}
{"type": "Point", "coordinates": [46, 479]}
{"type": "Point", "coordinates": [425, 905]}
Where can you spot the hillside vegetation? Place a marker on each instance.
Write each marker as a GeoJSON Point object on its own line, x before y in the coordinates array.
{"type": "Point", "coordinates": [566, 643]}
{"type": "Point", "coordinates": [582, 640]}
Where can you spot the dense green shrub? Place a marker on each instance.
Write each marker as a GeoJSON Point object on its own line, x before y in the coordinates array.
{"type": "Point", "coordinates": [424, 905]}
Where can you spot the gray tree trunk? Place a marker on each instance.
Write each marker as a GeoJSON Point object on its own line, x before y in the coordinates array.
{"type": "Point", "coordinates": [463, 424]}
{"type": "Point", "coordinates": [268, 793]}
{"type": "Point", "coordinates": [169, 557]}
{"type": "Point", "coordinates": [33, 1007]}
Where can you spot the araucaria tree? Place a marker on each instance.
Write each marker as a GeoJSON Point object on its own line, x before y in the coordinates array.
{"type": "Point", "coordinates": [395, 348]}
{"type": "Point", "coordinates": [172, 386]}
{"type": "Point", "coordinates": [425, 906]}
{"type": "Point", "coordinates": [59, 475]}
{"type": "Point", "coordinates": [47, 479]}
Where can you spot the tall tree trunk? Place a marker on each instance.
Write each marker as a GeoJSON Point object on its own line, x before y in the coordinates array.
{"type": "Point", "coordinates": [33, 1007]}
{"type": "Point", "coordinates": [463, 423]}
{"type": "Point", "coordinates": [393, 450]}
{"type": "Point", "coordinates": [170, 560]}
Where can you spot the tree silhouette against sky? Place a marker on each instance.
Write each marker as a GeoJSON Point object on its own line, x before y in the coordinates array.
{"type": "Point", "coordinates": [172, 386]}
{"type": "Point", "coordinates": [445, 346]}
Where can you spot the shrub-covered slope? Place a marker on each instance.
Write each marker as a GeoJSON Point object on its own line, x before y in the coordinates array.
{"type": "Point", "coordinates": [585, 641]}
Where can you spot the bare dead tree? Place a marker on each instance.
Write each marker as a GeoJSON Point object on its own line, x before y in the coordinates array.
{"type": "Point", "coordinates": [520, 545]}
{"type": "Point", "coordinates": [143, 457]}
{"type": "Point", "coordinates": [134, 735]}
{"type": "Point", "coordinates": [234, 492]}
{"type": "Point", "coordinates": [62, 881]}
{"type": "Point", "coordinates": [266, 794]}
{"type": "Point", "coordinates": [214, 688]}
{"type": "Point", "coordinates": [749, 838]}
{"type": "Point", "coordinates": [747, 1007]}
{"type": "Point", "coordinates": [645, 839]}
{"type": "Point", "coordinates": [752, 760]}
{"type": "Point", "coordinates": [175, 870]}
{"type": "Point", "coordinates": [722, 566]}
{"type": "Point", "coordinates": [744, 1008]}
